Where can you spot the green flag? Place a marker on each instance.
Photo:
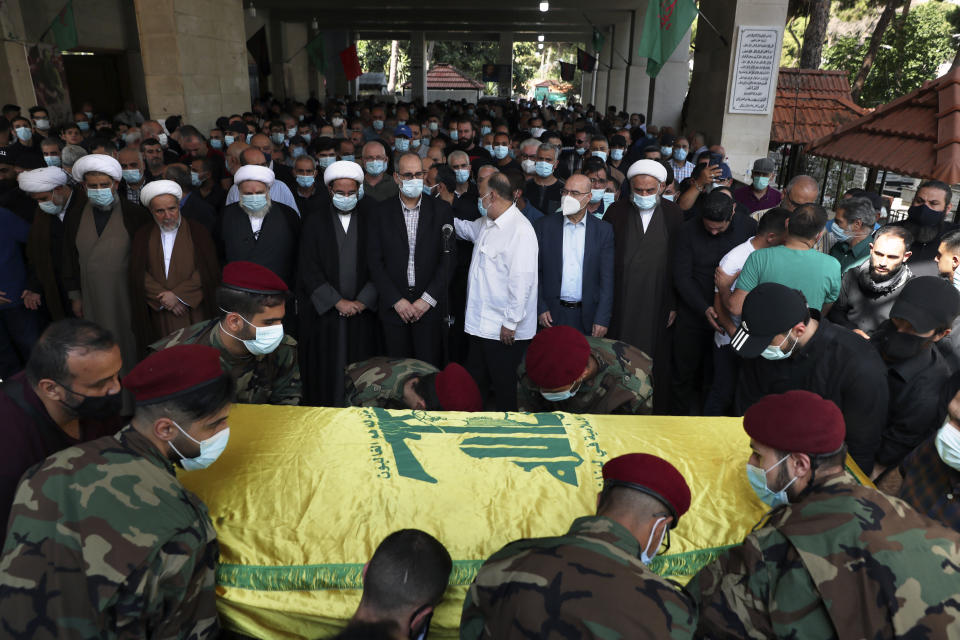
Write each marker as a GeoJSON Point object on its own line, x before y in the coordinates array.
{"type": "Point", "coordinates": [597, 40]}
{"type": "Point", "coordinates": [315, 53]}
{"type": "Point", "coordinates": [64, 28]}
{"type": "Point", "coordinates": [666, 23]}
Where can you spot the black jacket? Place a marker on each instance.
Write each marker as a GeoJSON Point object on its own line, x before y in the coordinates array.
{"type": "Point", "coordinates": [275, 247]}
{"type": "Point", "coordinates": [838, 365]}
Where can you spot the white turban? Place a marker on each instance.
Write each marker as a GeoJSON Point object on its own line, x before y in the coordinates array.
{"type": "Point", "coordinates": [647, 168]}
{"type": "Point", "coordinates": [159, 188]}
{"type": "Point", "coordinates": [343, 169]}
{"type": "Point", "coordinates": [42, 180]}
{"type": "Point", "coordinates": [254, 172]}
{"type": "Point", "coordinates": [96, 162]}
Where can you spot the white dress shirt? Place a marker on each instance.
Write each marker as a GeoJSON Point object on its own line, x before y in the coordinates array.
{"type": "Point", "coordinates": [646, 215]}
{"type": "Point", "coordinates": [167, 239]}
{"type": "Point", "coordinates": [502, 282]}
{"type": "Point", "coordinates": [256, 223]}
{"type": "Point", "coordinates": [345, 220]}
{"type": "Point", "coordinates": [574, 239]}
{"type": "Point", "coordinates": [279, 192]}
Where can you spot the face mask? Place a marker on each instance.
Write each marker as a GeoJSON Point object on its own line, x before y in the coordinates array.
{"type": "Point", "coordinates": [948, 445]}
{"type": "Point", "coordinates": [599, 154]}
{"type": "Point", "coordinates": [569, 205]}
{"type": "Point", "coordinates": [543, 168]}
{"type": "Point", "coordinates": [376, 167]}
{"type": "Point", "coordinates": [210, 449]}
{"type": "Point", "coordinates": [99, 407]}
{"type": "Point", "coordinates": [162, 139]}
{"type": "Point", "coordinates": [102, 198]}
{"type": "Point", "coordinates": [297, 152]}
{"type": "Point", "coordinates": [336, 122]}
{"type": "Point", "coordinates": [482, 209]}
{"type": "Point", "coordinates": [229, 140]}
{"type": "Point", "coordinates": [428, 191]}
{"type": "Point", "coordinates": [195, 179]}
{"type": "Point", "coordinates": [132, 176]}
{"type": "Point", "coordinates": [347, 157]}
{"type": "Point", "coordinates": [89, 114]}
{"type": "Point", "coordinates": [51, 207]}
{"type": "Point", "coordinates": [344, 203]}
{"type": "Point", "coordinates": [83, 125]}
{"type": "Point", "coordinates": [581, 151]}
{"type": "Point", "coordinates": [666, 152]}
{"type": "Point", "coordinates": [896, 346]}
{"type": "Point", "coordinates": [266, 341]}
{"type": "Point", "coordinates": [760, 182]}
{"type": "Point", "coordinates": [43, 124]}
{"type": "Point", "coordinates": [918, 213]}
{"type": "Point", "coordinates": [462, 175]}
{"type": "Point", "coordinates": [403, 144]}
{"type": "Point", "coordinates": [378, 124]}
{"type": "Point", "coordinates": [276, 138]}
{"type": "Point", "coordinates": [325, 161]}
{"type": "Point", "coordinates": [680, 155]}
{"type": "Point", "coordinates": [216, 143]}
{"type": "Point", "coordinates": [616, 154]}
{"type": "Point", "coordinates": [249, 137]}
{"type": "Point", "coordinates": [415, 144]}
{"type": "Point", "coordinates": [536, 132]}
{"type": "Point", "coordinates": [777, 352]}
{"type": "Point", "coordinates": [412, 188]}
{"type": "Point", "coordinates": [454, 135]}
{"type": "Point", "coordinates": [489, 148]}
{"type": "Point", "coordinates": [647, 558]}
{"type": "Point", "coordinates": [529, 166]}
{"type": "Point", "coordinates": [52, 161]}
{"type": "Point", "coordinates": [560, 396]}
{"type": "Point", "coordinates": [758, 482]}
{"type": "Point", "coordinates": [306, 181]}
{"type": "Point", "coordinates": [484, 130]}
{"type": "Point", "coordinates": [500, 151]}
{"type": "Point", "coordinates": [433, 126]}
{"type": "Point", "coordinates": [644, 202]}
{"type": "Point", "coordinates": [596, 195]}
{"type": "Point", "coordinates": [254, 201]}
{"type": "Point", "coordinates": [608, 198]}
{"type": "Point", "coordinates": [292, 131]}
{"type": "Point", "coordinates": [839, 232]}
{"type": "Point", "coordinates": [24, 133]}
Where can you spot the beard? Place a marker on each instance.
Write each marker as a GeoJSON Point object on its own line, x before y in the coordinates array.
{"type": "Point", "coordinates": [884, 277]}
{"type": "Point", "coordinates": [170, 226]}
{"type": "Point", "coordinates": [262, 213]}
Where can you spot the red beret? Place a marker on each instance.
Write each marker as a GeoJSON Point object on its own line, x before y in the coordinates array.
{"type": "Point", "coordinates": [172, 372]}
{"type": "Point", "coordinates": [556, 357]}
{"type": "Point", "coordinates": [457, 390]}
{"type": "Point", "coordinates": [252, 278]}
{"type": "Point", "coordinates": [796, 422]}
{"type": "Point", "coordinates": [652, 475]}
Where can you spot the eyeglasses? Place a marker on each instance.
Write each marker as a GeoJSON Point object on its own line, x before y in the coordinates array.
{"type": "Point", "coordinates": [575, 194]}
{"type": "Point", "coordinates": [410, 176]}
{"type": "Point", "coordinates": [600, 182]}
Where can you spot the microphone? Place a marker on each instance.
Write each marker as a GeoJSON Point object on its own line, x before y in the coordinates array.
{"type": "Point", "coordinates": [447, 233]}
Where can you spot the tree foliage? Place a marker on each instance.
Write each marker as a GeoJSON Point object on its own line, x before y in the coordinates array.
{"type": "Point", "coordinates": [907, 58]}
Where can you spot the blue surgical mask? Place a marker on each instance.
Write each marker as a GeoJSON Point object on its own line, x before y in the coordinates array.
{"type": "Point", "coordinates": [599, 154]}
{"type": "Point", "coordinates": [758, 482]}
{"type": "Point", "coordinates": [428, 191]}
{"type": "Point", "coordinates": [679, 154]}
{"type": "Point", "coordinates": [596, 195]}
{"type": "Point", "coordinates": [51, 207]}
{"type": "Point", "coordinates": [560, 396]}
{"type": "Point", "coordinates": [276, 138]}
{"type": "Point", "coordinates": [489, 148]}
{"type": "Point", "coordinates": [345, 203]}
{"type": "Point", "coordinates": [52, 161]}
{"type": "Point", "coordinates": [267, 338]}
{"type": "Point", "coordinates": [102, 198]}
{"type": "Point", "coordinates": [296, 152]}
{"type": "Point", "coordinates": [83, 125]}
{"type": "Point", "coordinates": [254, 201]}
{"type": "Point", "coordinates": [210, 449]}
{"type": "Point", "coordinates": [581, 151]}
{"type": "Point", "coordinates": [454, 135]}
{"type": "Point", "coordinates": [462, 175]}
{"type": "Point", "coordinates": [347, 157]}
{"type": "Point", "coordinates": [376, 167]}
{"type": "Point", "coordinates": [411, 188]}
{"type": "Point", "coordinates": [415, 143]}
{"type": "Point", "coordinates": [839, 232]}
{"type": "Point", "coordinates": [292, 131]}
{"type": "Point", "coordinates": [608, 198]}
{"type": "Point", "coordinates": [666, 152]}
{"type": "Point", "coordinates": [760, 182]}
{"type": "Point", "coordinates": [216, 143]}
{"type": "Point", "coordinates": [644, 202]}
{"type": "Point", "coordinates": [482, 209]}
{"type": "Point", "coordinates": [249, 137]}
{"type": "Point", "coordinates": [500, 151]}
{"type": "Point", "coordinates": [403, 145]}
{"type": "Point", "coordinates": [307, 137]}
{"type": "Point", "coordinates": [616, 154]}
{"type": "Point", "coordinates": [947, 443]}
{"type": "Point", "coordinates": [543, 168]}
{"type": "Point", "coordinates": [195, 179]}
{"type": "Point", "coordinates": [646, 557]}
{"type": "Point", "coordinates": [669, 196]}
{"type": "Point", "coordinates": [484, 130]}
{"type": "Point", "coordinates": [229, 140]}
{"type": "Point", "coordinates": [326, 161]}
{"type": "Point", "coordinates": [378, 124]}
{"type": "Point", "coordinates": [306, 181]}
{"type": "Point", "coordinates": [777, 352]}
{"type": "Point", "coordinates": [24, 133]}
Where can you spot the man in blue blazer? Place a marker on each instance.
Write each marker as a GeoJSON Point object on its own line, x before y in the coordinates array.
{"type": "Point", "coordinates": [576, 264]}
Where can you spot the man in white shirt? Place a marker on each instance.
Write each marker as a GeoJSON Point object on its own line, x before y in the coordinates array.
{"type": "Point", "coordinates": [501, 314]}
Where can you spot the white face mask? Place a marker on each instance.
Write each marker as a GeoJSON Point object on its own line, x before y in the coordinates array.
{"type": "Point", "coordinates": [948, 445]}
{"type": "Point", "coordinates": [267, 340]}
{"type": "Point", "coordinates": [645, 557]}
{"type": "Point", "coordinates": [210, 449]}
{"type": "Point", "coordinates": [569, 205]}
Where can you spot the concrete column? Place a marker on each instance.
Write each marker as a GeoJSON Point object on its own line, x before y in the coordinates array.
{"type": "Point", "coordinates": [296, 64]}
{"type": "Point", "coordinates": [619, 38]}
{"type": "Point", "coordinates": [275, 42]}
{"type": "Point", "coordinates": [194, 58]}
{"type": "Point", "coordinates": [418, 68]}
{"type": "Point", "coordinates": [15, 80]}
{"type": "Point", "coordinates": [745, 137]}
{"type": "Point", "coordinates": [637, 86]}
{"type": "Point", "coordinates": [602, 69]}
{"type": "Point", "coordinates": [671, 86]}
{"type": "Point", "coordinates": [505, 57]}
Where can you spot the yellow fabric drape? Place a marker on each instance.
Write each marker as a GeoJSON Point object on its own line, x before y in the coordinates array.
{"type": "Point", "coordinates": [302, 496]}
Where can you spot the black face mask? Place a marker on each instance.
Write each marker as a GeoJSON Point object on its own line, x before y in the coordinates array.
{"type": "Point", "coordinates": [896, 346]}
{"type": "Point", "coordinates": [97, 407]}
{"type": "Point", "coordinates": [924, 216]}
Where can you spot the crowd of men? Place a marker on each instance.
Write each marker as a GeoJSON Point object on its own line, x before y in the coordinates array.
{"type": "Point", "coordinates": [465, 257]}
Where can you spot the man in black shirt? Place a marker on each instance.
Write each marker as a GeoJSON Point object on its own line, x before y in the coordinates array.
{"type": "Point", "coordinates": [785, 348]}
{"type": "Point", "coordinates": [927, 221]}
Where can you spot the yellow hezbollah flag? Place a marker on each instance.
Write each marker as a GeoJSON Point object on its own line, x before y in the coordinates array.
{"type": "Point", "coordinates": [302, 497]}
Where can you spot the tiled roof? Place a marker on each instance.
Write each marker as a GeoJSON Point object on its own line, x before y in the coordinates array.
{"type": "Point", "coordinates": [447, 76]}
{"type": "Point", "coordinates": [916, 135]}
{"type": "Point", "coordinates": [810, 104]}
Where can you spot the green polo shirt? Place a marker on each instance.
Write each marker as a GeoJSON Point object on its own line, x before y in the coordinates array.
{"type": "Point", "coordinates": [850, 257]}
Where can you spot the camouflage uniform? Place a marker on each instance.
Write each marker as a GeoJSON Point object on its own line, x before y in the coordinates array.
{"type": "Point", "coordinates": [273, 378]}
{"type": "Point", "coordinates": [104, 542]}
{"type": "Point", "coordinates": [845, 562]}
{"type": "Point", "coordinates": [378, 382]}
{"type": "Point", "coordinates": [589, 583]}
{"type": "Point", "coordinates": [622, 383]}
